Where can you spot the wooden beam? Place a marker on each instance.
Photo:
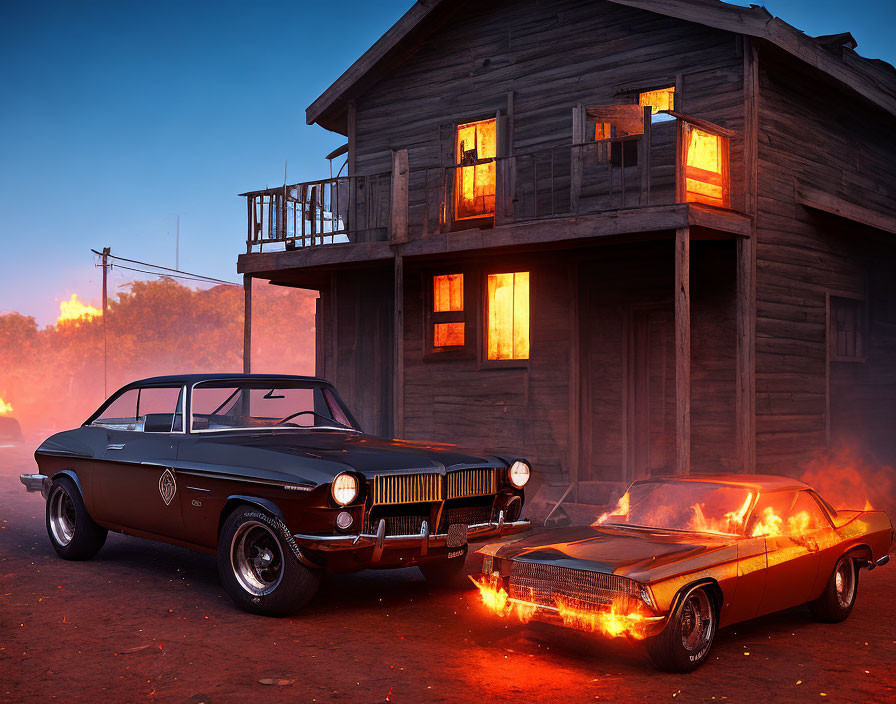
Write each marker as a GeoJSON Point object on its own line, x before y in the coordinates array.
{"type": "Point", "coordinates": [829, 203]}
{"type": "Point", "coordinates": [745, 413]}
{"type": "Point", "coordinates": [398, 223]}
{"type": "Point", "coordinates": [682, 351]}
{"type": "Point", "coordinates": [575, 377]}
{"type": "Point", "coordinates": [247, 324]}
{"type": "Point", "coordinates": [398, 349]}
{"type": "Point", "coordinates": [351, 129]}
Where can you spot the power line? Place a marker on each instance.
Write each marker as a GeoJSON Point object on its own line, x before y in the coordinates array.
{"type": "Point", "coordinates": [173, 276]}
{"type": "Point", "coordinates": [165, 268]}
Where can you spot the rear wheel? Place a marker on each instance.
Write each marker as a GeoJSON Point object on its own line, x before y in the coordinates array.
{"type": "Point", "coordinates": [685, 642]}
{"type": "Point", "coordinates": [258, 567]}
{"type": "Point", "coordinates": [72, 532]}
{"type": "Point", "coordinates": [448, 574]}
{"type": "Point", "coordinates": [839, 596]}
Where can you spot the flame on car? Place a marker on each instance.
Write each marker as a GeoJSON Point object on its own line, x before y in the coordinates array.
{"type": "Point", "coordinates": [75, 311]}
{"type": "Point", "coordinates": [5, 407]}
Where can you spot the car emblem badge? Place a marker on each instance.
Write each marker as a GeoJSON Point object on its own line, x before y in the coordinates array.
{"type": "Point", "coordinates": [167, 486]}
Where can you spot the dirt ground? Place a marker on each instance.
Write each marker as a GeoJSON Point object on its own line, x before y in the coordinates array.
{"type": "Point", "coordinates": [146, 621]}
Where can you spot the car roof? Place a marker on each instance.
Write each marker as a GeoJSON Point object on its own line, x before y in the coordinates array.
{"type": "Point", "coordinates": [190, 379]}
{"type": "Point", "coordinates": [757, 482]}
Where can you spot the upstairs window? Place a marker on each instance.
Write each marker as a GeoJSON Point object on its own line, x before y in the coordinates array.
{"type": "Point", "coordinates": [659, 99]}
{"type": "Point", "coordinates": [448, 326]}
{"type": "Point", "coordinates": [705, 167]}
{"type": "Point", "coordinates": [847, 326]}
{"type": "Point", "coordinates": [508, 316]}
{"type": "Point", "coordinates": [474, 188]}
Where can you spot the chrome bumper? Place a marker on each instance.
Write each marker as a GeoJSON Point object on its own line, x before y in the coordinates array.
{"type": "Point", "coordinates": [36, 482]}
{"type": "Point", "coordinates": [422, 540]}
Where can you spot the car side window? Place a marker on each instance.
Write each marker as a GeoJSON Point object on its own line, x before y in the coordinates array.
{"type": "Point", "coordinates": [121, 414]}
{"type": "Point", "coordinates": [785, 513]}
{"type": "Point", "coordinates": [160, 409]}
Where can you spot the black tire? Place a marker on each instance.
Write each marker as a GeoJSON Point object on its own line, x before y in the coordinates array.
{"type": "Point", "coordinates": [685, 642]}
{"type": "Point", "coordinates": [839, 595]}
{"type": "Point", "coordinates": [72, 532]}
{"type": "Point", "coordinates": [258, 565]}
{"type": "Point", "coordinates": [447, 574]}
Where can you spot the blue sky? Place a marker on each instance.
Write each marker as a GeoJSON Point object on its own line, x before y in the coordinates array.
{"type": "Point", "coordinates": [118, 116]}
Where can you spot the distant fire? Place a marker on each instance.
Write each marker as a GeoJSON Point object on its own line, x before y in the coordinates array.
{"type": "Point", "coordinates": [5, 407]}
{"type": "Point", "coordinates": [74, 311]}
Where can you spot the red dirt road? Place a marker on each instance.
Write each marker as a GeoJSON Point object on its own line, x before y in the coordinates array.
{"type": "Point", "coordinates": [149, 622]}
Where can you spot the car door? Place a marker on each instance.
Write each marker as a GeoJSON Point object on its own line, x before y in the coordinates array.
{"type": "Point", "coordinates": [794, 529]}
{"type": "Point", "coordinates": [136, 477]}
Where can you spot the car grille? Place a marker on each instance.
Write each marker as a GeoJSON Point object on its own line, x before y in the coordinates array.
{"type": "Point", "coordinates": [397, 525]}
{"type": "Point", "coordinates": [467, 515]}
{"type": "Point", "coordinates": [407, 488]}
{"type": "Point", "coordinates": [544, 584]}
{"type": "Point", "coordinates": [471, 482]}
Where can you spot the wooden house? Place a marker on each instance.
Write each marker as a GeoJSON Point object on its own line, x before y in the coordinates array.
{"type": "Point", "coordinates": [624, 237]}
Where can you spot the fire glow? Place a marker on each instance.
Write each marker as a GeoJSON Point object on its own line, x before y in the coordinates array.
{"type": "Point", "coordinates": [615, 621]}
{"type": "Point", "coordinates": [75, 311]}
{"type": "Point", "coordinates": [5, 407]}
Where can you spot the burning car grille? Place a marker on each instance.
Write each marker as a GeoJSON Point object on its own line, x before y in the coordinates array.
{"type": "Point", "coordinates": [468, 515]}
{"type": "Point", "coordinates": [543, 584]}
{"type": "Point", "coordinates": [407, 489]}
{"type": "Point", "coordinates": [471, 482]}
{"type": "Point", "coordinates": [427, 488]}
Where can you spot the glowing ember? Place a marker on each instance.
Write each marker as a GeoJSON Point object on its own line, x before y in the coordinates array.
{"type": "Point", "coordinates": [74, 311]}
{"type": "Point", "coordinates": [5, 407]}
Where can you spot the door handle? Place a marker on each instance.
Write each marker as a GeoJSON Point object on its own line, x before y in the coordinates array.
{"type": "Point", "coordinates": [115, 446]}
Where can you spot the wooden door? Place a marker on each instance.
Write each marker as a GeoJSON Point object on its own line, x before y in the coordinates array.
{"type": "Point", "coordinates": [651, 392]}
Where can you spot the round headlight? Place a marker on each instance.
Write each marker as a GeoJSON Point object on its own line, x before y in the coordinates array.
{"type": "Point", "coordinates": [519, 474]}
{"type": "Point", "coordinates": [345, 489]}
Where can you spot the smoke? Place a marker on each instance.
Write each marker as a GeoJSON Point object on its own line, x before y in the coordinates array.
{"type": "Point", "coordinates": [851, 479]}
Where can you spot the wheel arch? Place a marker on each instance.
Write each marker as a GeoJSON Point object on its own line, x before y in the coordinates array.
{"type": "Point", "coordinates": [234, 501]}
{"type": "Point", "coordinates": [710, 584]}
{"type": "Point", "coordinates": [71, 474]}
{"type": "Point", "coordinates": [861, 552]}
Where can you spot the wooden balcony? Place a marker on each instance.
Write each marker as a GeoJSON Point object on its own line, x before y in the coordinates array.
{"type": "Point", "coordinates": [636, 176]}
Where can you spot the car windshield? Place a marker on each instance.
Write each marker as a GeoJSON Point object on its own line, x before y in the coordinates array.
{"type": "Point", "coordinates": [250, 405]}
{"type": "Point", "coordinates": [699, 507]}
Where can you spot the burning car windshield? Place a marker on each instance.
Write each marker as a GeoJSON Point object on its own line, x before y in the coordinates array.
{"type": "Point", "coordinates": [253, 405]}
{"type": "Point", "coordinates": [700, 507]}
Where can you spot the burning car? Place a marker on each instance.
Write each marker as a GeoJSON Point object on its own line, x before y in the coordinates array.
{"type": "Point", "coordinates": [273, 474]}
{"type": "Point", "coordinates": [680, 557]}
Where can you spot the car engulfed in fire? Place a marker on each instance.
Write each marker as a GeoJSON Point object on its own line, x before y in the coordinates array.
{"type": "Point", "coordinates": [273, 474]}
{"type": "Point", "coordinates": [680, 557]}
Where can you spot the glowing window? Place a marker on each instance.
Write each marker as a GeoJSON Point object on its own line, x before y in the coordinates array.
{"type": "Point", "coordinates": [474, 188]}
{"type": "Point", "coordinates": [661, 99]}
{"type": "Point", "coordinates": [706, 167]}
{"type": "Point", "coordinates": [448, 311]}
{"type": "Point", "coordinates": [508, 316]}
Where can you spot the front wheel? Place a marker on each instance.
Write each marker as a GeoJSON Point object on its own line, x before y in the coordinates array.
{"type": "Point", "coordinates": [685, 642]}
{"type": "Point", "coordinates": [258, 567]}
{"type": "Point", "coordinates": [839, 596]}
{"type": "Point", "coordinates": [448, 574]}
{"type": "Point", "coordinates": [72, 532]}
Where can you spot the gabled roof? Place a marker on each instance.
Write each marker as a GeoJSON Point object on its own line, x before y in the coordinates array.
{"type": "Point", "coordinates": [834, 55]}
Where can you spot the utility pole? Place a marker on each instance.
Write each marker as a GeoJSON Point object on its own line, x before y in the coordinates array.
{"type": "Point", "coordinates": [106, 251]}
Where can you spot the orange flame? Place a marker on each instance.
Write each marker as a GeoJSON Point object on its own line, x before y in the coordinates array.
{"type": "Point", "coordinates": [493, 596]}
{"type": "Point", "coordinates": [614, 622]}
{"type": "Point", "coordinates": [5, 407]}
{"type": "Point", "coordinates": [74, 311]}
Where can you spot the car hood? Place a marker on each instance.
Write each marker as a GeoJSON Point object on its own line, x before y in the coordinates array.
{"type": "Point", "coordinates": [643, 555]}
{"type": "Point", "coordinates": [320, 455]}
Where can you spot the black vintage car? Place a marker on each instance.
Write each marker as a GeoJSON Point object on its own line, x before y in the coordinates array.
{"type": "Point", "coordinates": [274, 474]}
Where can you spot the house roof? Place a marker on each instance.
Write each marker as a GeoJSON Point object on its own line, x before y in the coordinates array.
{"type": "Point", "coordinates": [833, 55]}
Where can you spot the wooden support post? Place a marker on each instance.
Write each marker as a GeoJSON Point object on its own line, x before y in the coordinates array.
{"type": "Point", "coordinates": [106, 252]}
{"type": "Point", "coordinates": [398, 350]}
{"type": "Point", "coordinates": [644, 161]}
{"type": "Point", "coordinates": [398, 222]}
{"type": "Point", "coordinates": [575, 378]}
{"type": "Point", "coordinates": [682, 351]}
{"type": "Point", "coordinates": [247, 324]}
{"type": "Point", "coordinates": [577, 156]}
{"type": "Point", "coordinates": [746, 272]}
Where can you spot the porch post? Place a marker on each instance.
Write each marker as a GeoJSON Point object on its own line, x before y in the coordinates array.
{"type": "Point", "coordinates": [398, 349]}
{"type": "Point", "coordinates": [682, 351]}
{"type": "Point", "coordinates": [247, 324]}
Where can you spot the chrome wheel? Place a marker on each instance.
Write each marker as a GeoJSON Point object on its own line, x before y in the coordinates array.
{"type": "Point", "coordinates": [845, 581]}
{"type": "Point", "coordinates": [62, 516]}
{"type": "Point", "coordinates": [256, 558]}
{"type": "Point", "coordinates": [697, 621]}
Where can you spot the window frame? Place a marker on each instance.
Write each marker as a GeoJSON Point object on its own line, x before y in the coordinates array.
{"type": "Point", "coordinates": [431, 317]}
{"type": "Point", "coordinates": [861, 330]}
{"type": "Point", "coordinates": [448, 218]}
{"type": "Point", "coordinates": [90, 422]}
{"type": "Point", "coordinates": [482, 322]}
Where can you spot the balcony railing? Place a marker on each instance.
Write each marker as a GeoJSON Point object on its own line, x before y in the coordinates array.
{"type": "Point", "coordinates": [632, 171]}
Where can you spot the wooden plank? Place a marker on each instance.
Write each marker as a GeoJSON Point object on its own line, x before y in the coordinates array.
{"type": "Point", "coordinates": [830, 203]}
{"type": "Point", "coordinates": [247, 324]}
{"type": "Point", "coordinates": [575, 377]}
{"type": "Point", "coordinates": [577, 157]}
{"type": "Point", "coordinates": [398, 349]}
{"type": "Point", "coordinates": [398, 224]}
{"type": "Point", "coordinates": [682, 351]}
{"type": "Point", "coordinates": [644, 154]}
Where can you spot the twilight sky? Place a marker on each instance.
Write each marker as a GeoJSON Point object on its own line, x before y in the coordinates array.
{"type": "Point", "coordinates": [117, 116]}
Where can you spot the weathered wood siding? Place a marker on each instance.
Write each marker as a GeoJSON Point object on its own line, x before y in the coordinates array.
{"type": "Point", "coordinates": [817, 134]}
{"type": "Point", "coordinates": [551, 54]}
